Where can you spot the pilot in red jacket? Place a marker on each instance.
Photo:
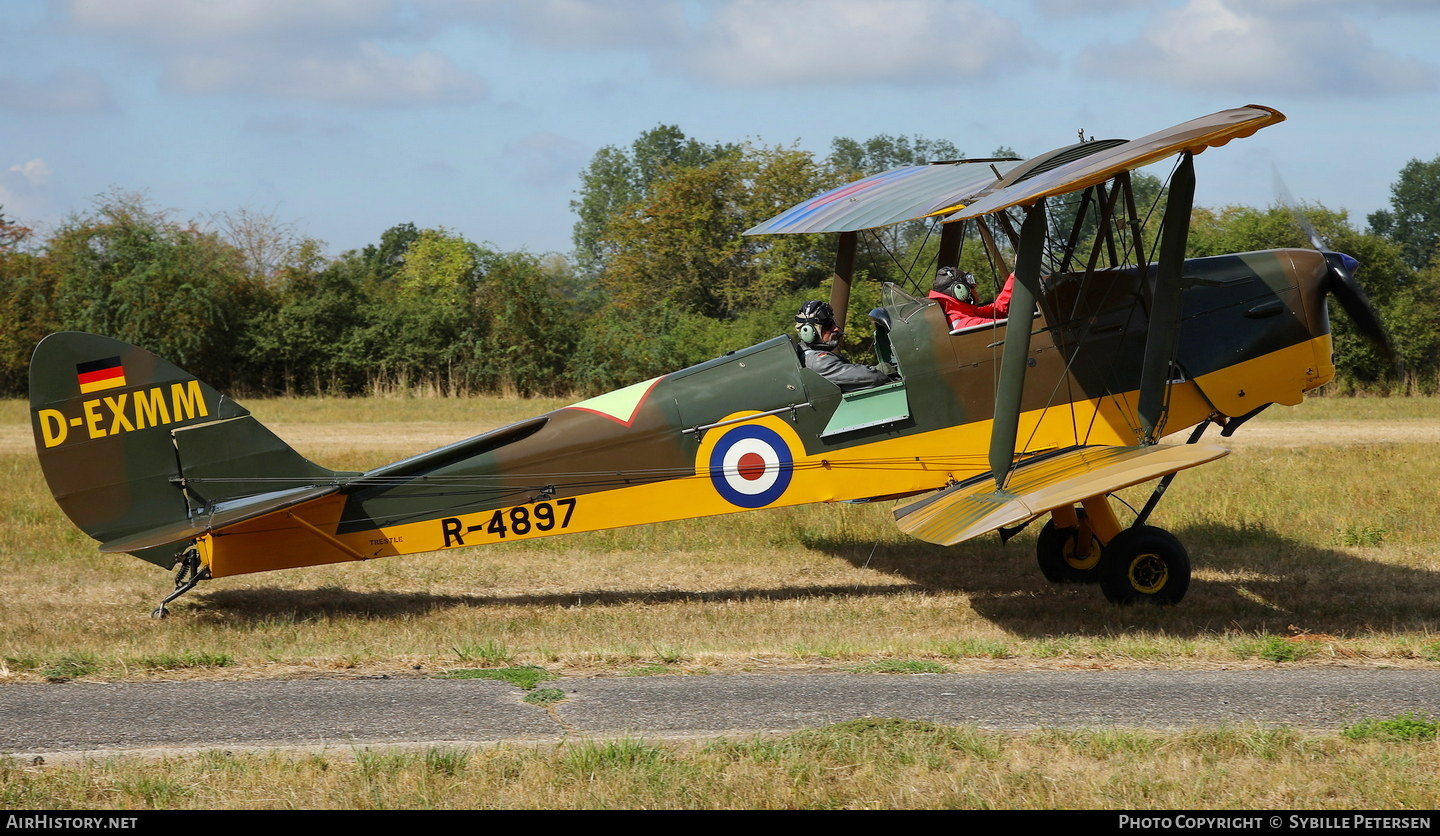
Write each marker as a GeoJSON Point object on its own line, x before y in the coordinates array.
{"type": "Point", "coordinates": [955, 291]}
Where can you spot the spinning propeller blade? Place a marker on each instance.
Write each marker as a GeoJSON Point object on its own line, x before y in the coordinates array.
{"type": "Point", "coordinates": [1357, 305]}
{"type": "Point", "coordinates": [1342, 284]}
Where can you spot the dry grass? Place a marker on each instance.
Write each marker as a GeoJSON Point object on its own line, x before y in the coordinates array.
{"type": "Point", "coordinates": [1325, 547]}
{"type": "Point", "coordinates": [1315, 543]}
{"type": "Point", "coordinates": [865, 764]}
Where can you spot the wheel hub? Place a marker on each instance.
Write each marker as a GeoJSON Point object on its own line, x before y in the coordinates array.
{"type": "Point", "coordinates": [1148, 573]}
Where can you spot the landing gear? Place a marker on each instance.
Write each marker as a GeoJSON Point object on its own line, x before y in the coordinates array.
{"type": "Point", "coordinates": [187, 576]}
{"type": "Point", "coordinates": [1145, 564]}
{"type": "Point", "coordinates": [1069, 553]}
{"type": "Point", "coordinates": [1132, 565]}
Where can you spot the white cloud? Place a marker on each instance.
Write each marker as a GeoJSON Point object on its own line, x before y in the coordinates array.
{"type": "Point", "coordinates": [1360, 6]}
{"type": "Point", "coordinates": [330, 51]}
{"type": "Point", "coordinates": [190, 22]}
{"type": "Point", "coordinates": [1255, 49]}
{"type": "Point", "coordinates": [35, 171]}
{"type": "Point", "coordinates": [67, 90]}
{"type": "Point", "coordinates": [581, 24]}
{"type": "Point", "coordinates": [765, 42]}
{"type": "Point", "coordinates": [25, 192]}
{"type": "Point", "coordinates": [1067, 8]}
{"type": "Point", "coordinates": [367, 74]}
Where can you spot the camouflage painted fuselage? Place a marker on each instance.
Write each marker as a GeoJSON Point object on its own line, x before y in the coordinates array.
{"type": "Point", "coordinates": [752, 429]}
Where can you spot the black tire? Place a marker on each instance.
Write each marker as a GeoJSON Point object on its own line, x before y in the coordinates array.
{"type": "Point", "coordinates": [1145, 564]}
{"type": "Point", "coordinates": [1055, 552]}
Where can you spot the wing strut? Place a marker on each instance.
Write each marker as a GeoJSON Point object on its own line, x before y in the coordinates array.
{"type": "Point", "coordinates": [951, 237]}
{"type": "Point", "coordinates": [1165, 309]}
{"type": "Point", "coordinates": [1160, 489]}
{"type": "Point", "coordinates": [996, 256]}
{"type": "Point", "coordinates": [1017, 343]}
{"type": "Point", "coordinates": [844, 272]}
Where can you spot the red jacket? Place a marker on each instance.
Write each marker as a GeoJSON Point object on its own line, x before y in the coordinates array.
{"type": "Point", "coordinates": [964, 314]}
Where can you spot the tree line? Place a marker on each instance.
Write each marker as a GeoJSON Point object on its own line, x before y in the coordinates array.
{"type": "Point", "coordinates": [660, 278]}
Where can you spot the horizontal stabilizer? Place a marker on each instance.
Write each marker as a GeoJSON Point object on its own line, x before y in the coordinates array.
{"type": "Point", "coordinates": [220, 515]}
{"type": "Point", "coordinates": [974, 507]}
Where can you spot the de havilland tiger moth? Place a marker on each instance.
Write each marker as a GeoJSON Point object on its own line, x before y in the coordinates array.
{"type": "Point", "coordinates": [1107, 350]}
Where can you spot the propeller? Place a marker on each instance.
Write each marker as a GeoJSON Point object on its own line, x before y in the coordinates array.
{"type": "Point", "coordinates": [1357, 305]}
{"type": "Point", "coordinates": [1342, 284]}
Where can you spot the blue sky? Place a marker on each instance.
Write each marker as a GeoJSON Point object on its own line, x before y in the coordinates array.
{"type": "Point", "coordinates": [342, 118]}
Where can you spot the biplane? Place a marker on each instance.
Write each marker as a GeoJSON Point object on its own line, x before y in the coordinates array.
{"type": "Point", "coordinates": [1111, 345]}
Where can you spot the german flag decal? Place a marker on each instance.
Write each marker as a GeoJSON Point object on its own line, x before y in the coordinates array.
{"type": "Point", "coordinates": [96, 375]}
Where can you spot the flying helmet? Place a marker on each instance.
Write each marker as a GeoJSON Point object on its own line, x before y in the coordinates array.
{"type": "Point", "coordinates": [815, 318]}
{"type": "Point", "coordinates": [956, 283]}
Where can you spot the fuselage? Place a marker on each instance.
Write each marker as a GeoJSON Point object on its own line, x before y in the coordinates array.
{"type": "Point", "coordinates": [755, 429]}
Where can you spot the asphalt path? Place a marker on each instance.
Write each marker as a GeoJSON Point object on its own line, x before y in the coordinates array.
{"type": "Point", "coordinates": [56, 722]}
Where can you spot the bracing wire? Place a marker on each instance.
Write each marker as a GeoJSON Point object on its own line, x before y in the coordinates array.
{"type": "Point", "coordinates": [1132, 422]}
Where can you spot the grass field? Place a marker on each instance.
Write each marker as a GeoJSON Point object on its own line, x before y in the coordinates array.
{"type": "Point", "coordinates": [1316, 542]}
{"type": "Point", "coordinates": [864, 764]}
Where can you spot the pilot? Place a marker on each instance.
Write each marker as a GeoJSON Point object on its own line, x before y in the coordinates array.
{"type": "Point", "coordinates": [955, 291]}
{"type": "Point", "coordinates": [819, 334]}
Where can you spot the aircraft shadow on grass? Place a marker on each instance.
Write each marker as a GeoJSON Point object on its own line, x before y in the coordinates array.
{"type": "Point", "coordinates": [1277, 583]}
{"type": "Point", "coordinates": [261, 604]}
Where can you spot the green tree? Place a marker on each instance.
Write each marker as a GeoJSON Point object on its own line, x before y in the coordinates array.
{"type": "Point", "coordinates": [684, 245]}
{"type": "Point", "coordinates": [12, 234]}
{"type": "Point", "coordinates": [1413, 219]}
{"type": "Point", "coordinates": [528, 335]}
{"type": "Point", "coordinates": [780, 178]}
{"type": "Point", "coordinates": [26, 311]}
{"type": "Point", "coordinates": [1413, 322]}
{"type": "Point", "coordinates": [617, 178]}
{"type": "Point", "coordinates": [882, 152]}
{"type": "Point", "coordinates": [618, 346]}
{"type": "Point", "coordinates": [425, 328]}
{"type": "Point", "coordinates": [385, 259]}
{"type": "Point", "coordinates": [128, 271]}
{"type": "Point", "coordinates": [1238, 229]}
{"type": "Point", "coordinates": [311, 339]}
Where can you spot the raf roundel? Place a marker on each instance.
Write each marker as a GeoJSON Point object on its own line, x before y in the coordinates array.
{"type": "Point", "coordinates": [751, 466]}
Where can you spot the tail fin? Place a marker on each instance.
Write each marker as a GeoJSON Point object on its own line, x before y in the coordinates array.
{"type": "Point", "coordinates": [138, 451]}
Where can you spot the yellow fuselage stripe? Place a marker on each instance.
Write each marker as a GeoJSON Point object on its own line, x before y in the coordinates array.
{"type": "Point", "coordinates": [902, 465]}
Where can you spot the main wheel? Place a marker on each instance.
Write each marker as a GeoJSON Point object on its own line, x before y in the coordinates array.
{"type": "Point", "coordinates": [1055, 551]}
{"type": "Point", "coordinates": [1146, 564]}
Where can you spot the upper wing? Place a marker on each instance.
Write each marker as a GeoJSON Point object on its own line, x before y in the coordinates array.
{"type": "Point", "coordinates": [895, 196]}
{"type": "Point", "coordinates": [970, 188]}
{"type": "Point", "coordinates": [1193, 136]}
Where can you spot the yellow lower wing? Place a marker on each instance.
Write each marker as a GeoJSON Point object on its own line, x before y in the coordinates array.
{"type": "Point", "coordinates": [974, 507]}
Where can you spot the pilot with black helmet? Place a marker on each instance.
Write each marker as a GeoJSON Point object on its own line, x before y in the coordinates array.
{"type": "Point", "coordinates": [819, 334]}
{"type": "Point", "coordinates": [955, 291]}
